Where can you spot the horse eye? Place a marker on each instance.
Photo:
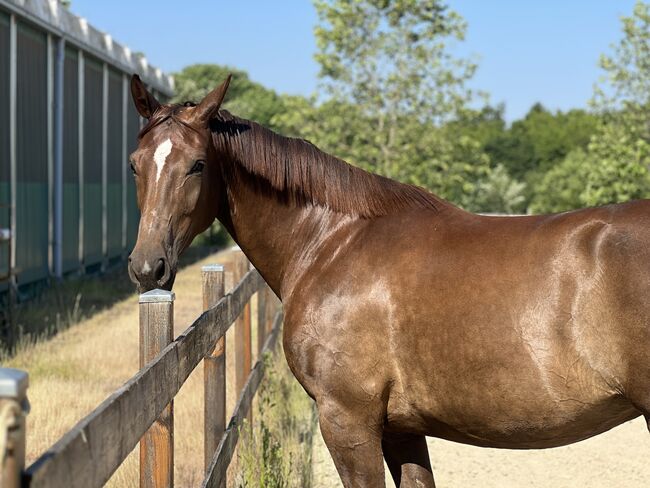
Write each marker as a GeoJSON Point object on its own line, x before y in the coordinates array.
{"type": "Point", "coordinates": [198, 167]}
{"type": "Point", "coordinates": [133, 168]}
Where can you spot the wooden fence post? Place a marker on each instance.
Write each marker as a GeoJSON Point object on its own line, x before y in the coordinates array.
{"type": "Point", "coordinates": [214, 369]}
{"type": "Point", "coordinates": [242, 333]}
{"type": "Point", "coordinates": [13, 406]}
{"type": "Point", "coordinates": [261, 320]}
{"type": "Point", "coordinates": [157, 444]}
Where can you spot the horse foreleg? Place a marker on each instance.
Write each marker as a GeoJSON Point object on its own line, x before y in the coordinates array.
{"type": "Point", "coordinates": [407, 458]}
{"type": "Point", "coordinates": [354, 441]}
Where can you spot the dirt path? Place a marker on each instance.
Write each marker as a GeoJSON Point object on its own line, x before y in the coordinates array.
{"type": "Point", "coordinates": [618, 458]}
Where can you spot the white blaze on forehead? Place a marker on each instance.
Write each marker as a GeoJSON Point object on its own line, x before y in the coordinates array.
{"type": "Point", "coordinates": [160, 156]}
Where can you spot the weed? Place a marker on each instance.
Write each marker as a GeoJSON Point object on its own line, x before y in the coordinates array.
{"type": "Point", "coordinates": [275, 452]}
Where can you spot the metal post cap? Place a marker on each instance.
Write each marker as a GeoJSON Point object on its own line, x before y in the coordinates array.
{"type": "Point", "coordinates": [212, 268]}
{"type": "Point", "coordinates": [157, 296]}
{"type": "Point", "coordinates": [13, 383]}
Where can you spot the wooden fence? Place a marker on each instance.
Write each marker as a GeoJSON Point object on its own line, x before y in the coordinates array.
{"type": "Point", "coordinates": [142, 409]}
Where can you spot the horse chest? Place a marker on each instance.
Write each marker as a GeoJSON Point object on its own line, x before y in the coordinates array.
{"type": "Point", "coordinates": [335, 358]}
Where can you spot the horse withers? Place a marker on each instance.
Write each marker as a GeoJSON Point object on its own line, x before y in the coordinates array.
{"type": "Point", "coordinates": [406, 316]}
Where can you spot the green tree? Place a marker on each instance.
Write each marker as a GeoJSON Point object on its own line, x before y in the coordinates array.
{"type": "Point", "coordinates": [618, 171]}
{"type": "Point", "coordinates": [614, 167]}
{"type": "Point", "coordinates": [625, 84]}
{"type": "Point", "coordinates": [391, 60]}
{"type": "Point", "coordinates": [541, 139]}
{"type": "Point", "coordinates": [245, 97]}
{"type": "Point", "coordinates": [561, 187]}
{"type": "Point", "coordinates": [392, 88]}
{"type": "Point", "coordinates": [621, 149]}
{"type": "Point", "coordinates": [499, 193]}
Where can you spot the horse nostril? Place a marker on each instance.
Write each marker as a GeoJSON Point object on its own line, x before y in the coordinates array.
{"type": "Point", "coordinates": [159, 272]}
{"type": "Point", "coordinates": [131, 271]}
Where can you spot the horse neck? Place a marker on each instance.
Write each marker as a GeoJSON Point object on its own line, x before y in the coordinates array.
{"type": "Point", "coordinates": [277, 237]}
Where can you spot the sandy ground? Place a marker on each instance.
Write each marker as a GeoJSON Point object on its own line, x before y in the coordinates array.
{"type": "Point", "coordinates": [74, 371]}
{"type": "Point", "coordinates": [618, 458]}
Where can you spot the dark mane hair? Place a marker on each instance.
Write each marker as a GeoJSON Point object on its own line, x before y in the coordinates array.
{"type": "Point", "coordinates": [303, 174]}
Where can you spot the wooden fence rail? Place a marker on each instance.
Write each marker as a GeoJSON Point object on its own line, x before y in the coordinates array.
{"type": "Point", "coordinates": [142, 409]}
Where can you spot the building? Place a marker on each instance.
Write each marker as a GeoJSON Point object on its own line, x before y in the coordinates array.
{"type": "Point", "coordinates": [67, 125]}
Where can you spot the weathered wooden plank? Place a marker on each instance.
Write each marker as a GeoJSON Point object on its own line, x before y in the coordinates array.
{"type": "Point", "coordinates": [241, 373]}
{"type": "Point", "coordinates": [214, 370]}
{"type": "Point", "coordinates": [261, 319]}
{"type": "Point", "coordinates": [90, 452]}
{"type": "Point", "coordinates": [222, 458]}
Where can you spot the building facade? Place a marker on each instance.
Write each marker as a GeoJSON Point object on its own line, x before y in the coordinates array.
{"type": "Point", "coordinates": [67, 125]}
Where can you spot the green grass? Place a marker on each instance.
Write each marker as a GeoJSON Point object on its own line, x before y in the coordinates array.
{"type": "Point", "coordinates": [276, 452]}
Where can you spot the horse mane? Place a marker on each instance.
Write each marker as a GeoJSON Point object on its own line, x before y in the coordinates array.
{"type": "Point", "coordinates": [302, 174]}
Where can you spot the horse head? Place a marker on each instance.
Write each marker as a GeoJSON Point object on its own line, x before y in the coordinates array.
{"type": "Point", "coordinates": [176, 179]}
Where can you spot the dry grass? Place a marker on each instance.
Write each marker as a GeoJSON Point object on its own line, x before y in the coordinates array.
{"type": "Point", "coordinates": [74, 371]}
{"type": "Point", "coordinates": [277, 451]}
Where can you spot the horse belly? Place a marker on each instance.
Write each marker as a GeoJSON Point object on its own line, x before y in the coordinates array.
{"type": "Point", "coordinates": [542, 429]}
{"type": "Point", "coordinates": [508, 405]}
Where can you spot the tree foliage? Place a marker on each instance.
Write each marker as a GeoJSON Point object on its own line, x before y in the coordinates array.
{"type": "Point", "coordinates": [245, 97]}
{"type": "Point", "coordinates": [561, 187]}
{"type": "Point", "coordinates": [395, 102]}
{"type": "Point", "coordinates": [392, 88]}
{"type": "Point", "coordinates": [500, 193]}
{"type": "Point", "coordinates": [615, 165]}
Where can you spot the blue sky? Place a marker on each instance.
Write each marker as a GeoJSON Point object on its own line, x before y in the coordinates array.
{"type": "Point", "coordinates": [527, 51]}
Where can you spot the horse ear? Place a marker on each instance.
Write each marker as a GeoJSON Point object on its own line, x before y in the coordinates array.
{"type": "Point", "coordinates": [209, 106]}
{"type": "Point", "coordinates": [145, 103]}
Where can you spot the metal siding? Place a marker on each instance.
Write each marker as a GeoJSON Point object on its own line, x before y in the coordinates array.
{"type": "Point", "coordinates": [70, 161]}
{"type": "Point", "coordinates": [133, 213]}
{"type": "Point", "coordinates": [5, 181]}
{"type": "Point", "coordinates": [32, 209]}
{"type": "Point", "coordinates": [26, 153]}
{"type": "Point", "coordinates": [92, 161]}
{"type": "Point", "coordinates": [115, 162]}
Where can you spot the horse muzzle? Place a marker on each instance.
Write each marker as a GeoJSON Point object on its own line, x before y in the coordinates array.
{"type": "Point", "coordinates": [150, 271]}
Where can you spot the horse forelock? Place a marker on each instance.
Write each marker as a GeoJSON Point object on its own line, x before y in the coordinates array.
{"type": "Point", "coordinates": [164, 113]}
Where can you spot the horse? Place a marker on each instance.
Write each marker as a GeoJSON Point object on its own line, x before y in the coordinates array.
{"type": "Point", "coordinates": [406, 316]}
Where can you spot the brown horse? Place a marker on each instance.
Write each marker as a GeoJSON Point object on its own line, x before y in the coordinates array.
{"type": "Point", "coordinates": [408, 317]}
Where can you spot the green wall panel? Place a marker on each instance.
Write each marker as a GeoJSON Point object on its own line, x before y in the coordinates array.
{"type": "Point", "coordinates": [5, 196]}
{"type": "Point", "coordinates": [70, 227]}
{"type": "Point", "coordinates": [31, 232]}
{"type": "Point", "coordinates": [93, 83]}
{"type": "Point", "coordinates": [133, 213]}
{"type": "Point", "coordinates": [4, 223]}
{"type": "Point", "coordinates": [115, 165]}
{"type": "Point", "coordinates": [92, 223]}
{"type": "Point", "coordinates": [70, 231]}
{"type": "Point", "coordinates": [114, 222]}
{"type": "Point", "coordinates": [32, 210]}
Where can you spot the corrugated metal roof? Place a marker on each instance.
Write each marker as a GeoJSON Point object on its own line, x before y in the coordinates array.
{"type": "Point", "coordinates": [51, 15]}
